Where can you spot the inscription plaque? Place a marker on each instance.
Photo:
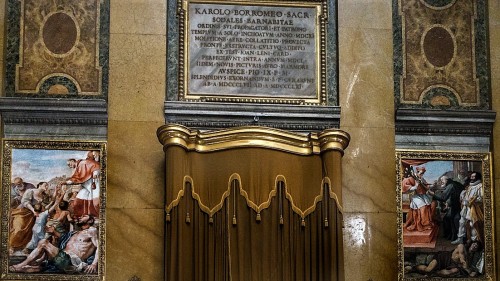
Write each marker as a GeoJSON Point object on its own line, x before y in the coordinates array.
{"type": "Point", "coordinates": [255, 51]}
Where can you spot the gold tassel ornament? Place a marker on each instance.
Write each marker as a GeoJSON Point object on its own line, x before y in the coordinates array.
{"type": "Point", "coordinates": [235, 183]}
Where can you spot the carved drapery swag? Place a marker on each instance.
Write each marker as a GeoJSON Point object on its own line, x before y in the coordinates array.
{"type": "Point", "coordinates": [253, 203]}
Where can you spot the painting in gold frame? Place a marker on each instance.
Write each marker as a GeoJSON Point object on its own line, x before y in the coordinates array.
{"type": "Point", "coordinates": [445, 216]}
{"type": "Point", "coordinates": [53, 210]}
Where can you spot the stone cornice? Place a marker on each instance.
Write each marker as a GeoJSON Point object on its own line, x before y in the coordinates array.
{"type": "Point", "coordinates": [205, 115]}
{"type": "Point", "coordinates": [434, 122]}
{"type": "Point", "coordinates": [39, 111]}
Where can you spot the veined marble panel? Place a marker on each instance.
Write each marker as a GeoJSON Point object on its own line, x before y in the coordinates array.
{"type": "Point", "coordinates": [370, 252]}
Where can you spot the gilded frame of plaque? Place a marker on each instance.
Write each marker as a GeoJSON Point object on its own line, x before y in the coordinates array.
{"type": "Point", "coordinates": [445, 216]}
{"type": "Point", "coordinates": [252, 52]}
{"type": "Point", "coordinates": [53, 206]}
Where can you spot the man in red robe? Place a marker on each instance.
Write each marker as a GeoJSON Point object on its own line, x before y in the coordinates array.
{"type": "Point", "coordinates": [85, 173]}
{"type": "Point", "coordinates": [421, 206]}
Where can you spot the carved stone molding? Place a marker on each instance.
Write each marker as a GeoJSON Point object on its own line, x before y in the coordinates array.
{"type": "Point", "coordinates": [444, 130]}
{"type": "Point", "coordinates": [50, 118]}
{"type": "Point", "coordinates": [441, 122]}
{"type": "Point", "coordinates": [224, 115]}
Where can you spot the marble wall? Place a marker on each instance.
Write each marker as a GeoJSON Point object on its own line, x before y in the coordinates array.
{"type": "Point", "coordinates": [366, 98]}
{"type": "Point", "coordinates": [135, 213]}
{"type": "Point", "coordinates": [137, 62]}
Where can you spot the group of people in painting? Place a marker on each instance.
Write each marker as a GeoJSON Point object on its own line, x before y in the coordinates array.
{"type": "Point", "coordinates": [53, 226]}
{"type": "Point", "coordinates": [466, 260]}
{"type": "Point", "coordinates": [456, 205]}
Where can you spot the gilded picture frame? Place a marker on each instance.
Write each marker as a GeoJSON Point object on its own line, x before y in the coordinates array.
{"type": "Point", "coordinates": [53, 210]}
{"type": "Point", "coordinates": [445, 216]}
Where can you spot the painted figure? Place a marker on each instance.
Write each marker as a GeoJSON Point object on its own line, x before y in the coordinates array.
{"type": "Point", "coordinates": [450, 196]}
{"type": "Point", "coordinates": [85, 173]}
{"type": "Point", "coordinates": [22, 218]}
{"type": "Point", "coordinates": [422, 207]}
{"type": "Point", "coordinates": [38, 230]}
{"type": "Point", "coordinates": [75, 251]}
{"type": "Point", "coordinates": [462, 261]}
{"type": "Point", "coordinates": [35, 196]}
{"type": "Point", "coordinates": [18, 187]}
{"type": "Point", "coordinates": [62, 217]}
{"type": "Point", "coordinates": [471, 214]}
